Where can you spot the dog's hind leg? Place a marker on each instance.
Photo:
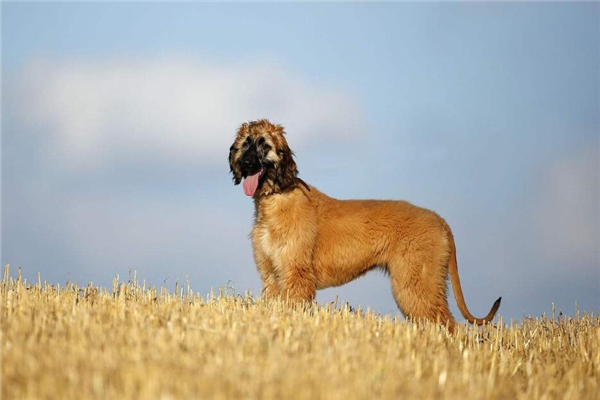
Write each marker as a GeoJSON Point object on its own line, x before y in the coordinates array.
{"type": "Point", "coordinates": [419, 287]}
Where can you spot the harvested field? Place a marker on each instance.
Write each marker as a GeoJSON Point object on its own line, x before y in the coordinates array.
{"type": "Point", "coordinates": [134, 342]}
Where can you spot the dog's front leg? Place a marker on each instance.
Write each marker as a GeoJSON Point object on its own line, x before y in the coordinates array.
{"type": "Point", "coordinates": [298, 280]}
{"type": "Point", "coordinates": [299, 288]}
{"type": "Point", "coordinates": [266, 271]}
{"type": "Point", "coordinates": [270, 289]}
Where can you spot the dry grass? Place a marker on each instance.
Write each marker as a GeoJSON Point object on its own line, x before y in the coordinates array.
{"type": "Point", "coordinates": [131, 342]}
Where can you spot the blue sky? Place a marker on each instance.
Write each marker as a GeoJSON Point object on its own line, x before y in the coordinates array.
{"type": "Point", "coordinates": [116, 119]}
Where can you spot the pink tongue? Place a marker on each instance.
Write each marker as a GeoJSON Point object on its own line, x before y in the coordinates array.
{"type": "Point", "coordinates": [251, 183]}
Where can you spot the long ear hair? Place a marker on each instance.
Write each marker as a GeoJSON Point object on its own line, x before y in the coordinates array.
{"type": "Point", "coordinates": [287, 171]}
{"type": "Point", "coordinates": [234, 166]}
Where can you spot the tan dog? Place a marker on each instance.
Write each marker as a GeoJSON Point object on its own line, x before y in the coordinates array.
{"type": "Point", "coordinates": [304, 240]}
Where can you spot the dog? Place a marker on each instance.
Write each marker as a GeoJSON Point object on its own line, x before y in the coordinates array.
{"type": "Point", "coordinates": [304, 240]}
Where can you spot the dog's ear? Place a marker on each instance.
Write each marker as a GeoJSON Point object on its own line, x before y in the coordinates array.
{"type": "Point", "coordinates": [287, 171]}
{"type": "Point", "coordinates": [234, 162]}
{"type": "Point", "coordinates": [234, 166]}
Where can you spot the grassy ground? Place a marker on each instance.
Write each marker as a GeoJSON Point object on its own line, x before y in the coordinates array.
{"type": "Point", "coordinates": [131, 342]}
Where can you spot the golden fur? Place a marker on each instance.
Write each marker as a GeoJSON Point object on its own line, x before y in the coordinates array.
{"type": "Point", "coordinates": [304, 240]}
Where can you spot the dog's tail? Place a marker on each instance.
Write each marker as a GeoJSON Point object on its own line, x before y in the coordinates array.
{"type": "Point", "coordinates": [458, 294]}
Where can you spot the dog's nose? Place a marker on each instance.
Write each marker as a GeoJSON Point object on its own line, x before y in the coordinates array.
{"type": "Point", "coordinates": [246, 163]}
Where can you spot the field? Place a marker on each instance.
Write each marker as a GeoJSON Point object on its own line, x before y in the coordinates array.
{"type": "Point", "coordinates": [134, 342]}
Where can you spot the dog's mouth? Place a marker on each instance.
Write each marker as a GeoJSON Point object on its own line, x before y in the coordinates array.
{"type": "Point", "coordinates": [251, 182]}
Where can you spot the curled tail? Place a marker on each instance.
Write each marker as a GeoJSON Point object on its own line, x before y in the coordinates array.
{"type": "Point", "coordinates": [458, 294]}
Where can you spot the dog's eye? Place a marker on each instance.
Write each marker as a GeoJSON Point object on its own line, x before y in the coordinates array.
{"type": "Point", "coordinates": [261, 141]}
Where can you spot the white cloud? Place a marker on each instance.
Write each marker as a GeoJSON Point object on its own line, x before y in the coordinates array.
{"type": "Point", "coordinates": [172, 109]}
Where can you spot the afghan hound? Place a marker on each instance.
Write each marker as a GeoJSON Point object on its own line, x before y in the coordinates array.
{"type": "Point", "coordinates": [304, 240]}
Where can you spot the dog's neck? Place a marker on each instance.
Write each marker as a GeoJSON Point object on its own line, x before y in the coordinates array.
{"type": "Point", "coordinates": [273, 192]}
{"type": "Point", "coordinates": [273, 187]}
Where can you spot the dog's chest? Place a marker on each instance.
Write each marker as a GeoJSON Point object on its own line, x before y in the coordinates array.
{"type": "Point", "coordinates": [276, 226]}
{"type": "Point", "coordinates": [266, 242]}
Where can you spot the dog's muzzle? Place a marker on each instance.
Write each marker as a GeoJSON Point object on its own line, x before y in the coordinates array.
{"type": "Point", "coordinates": [250, 162]}
{"type": "Point", "coordinates": [252, 171]}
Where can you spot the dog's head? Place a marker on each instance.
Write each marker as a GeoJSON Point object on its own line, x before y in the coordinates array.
{"type": "Point", "coordinates": [261, 157]}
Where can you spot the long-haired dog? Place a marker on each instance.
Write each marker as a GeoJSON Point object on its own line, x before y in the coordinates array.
{"type": "Point", "coordinates": [304, 240]}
